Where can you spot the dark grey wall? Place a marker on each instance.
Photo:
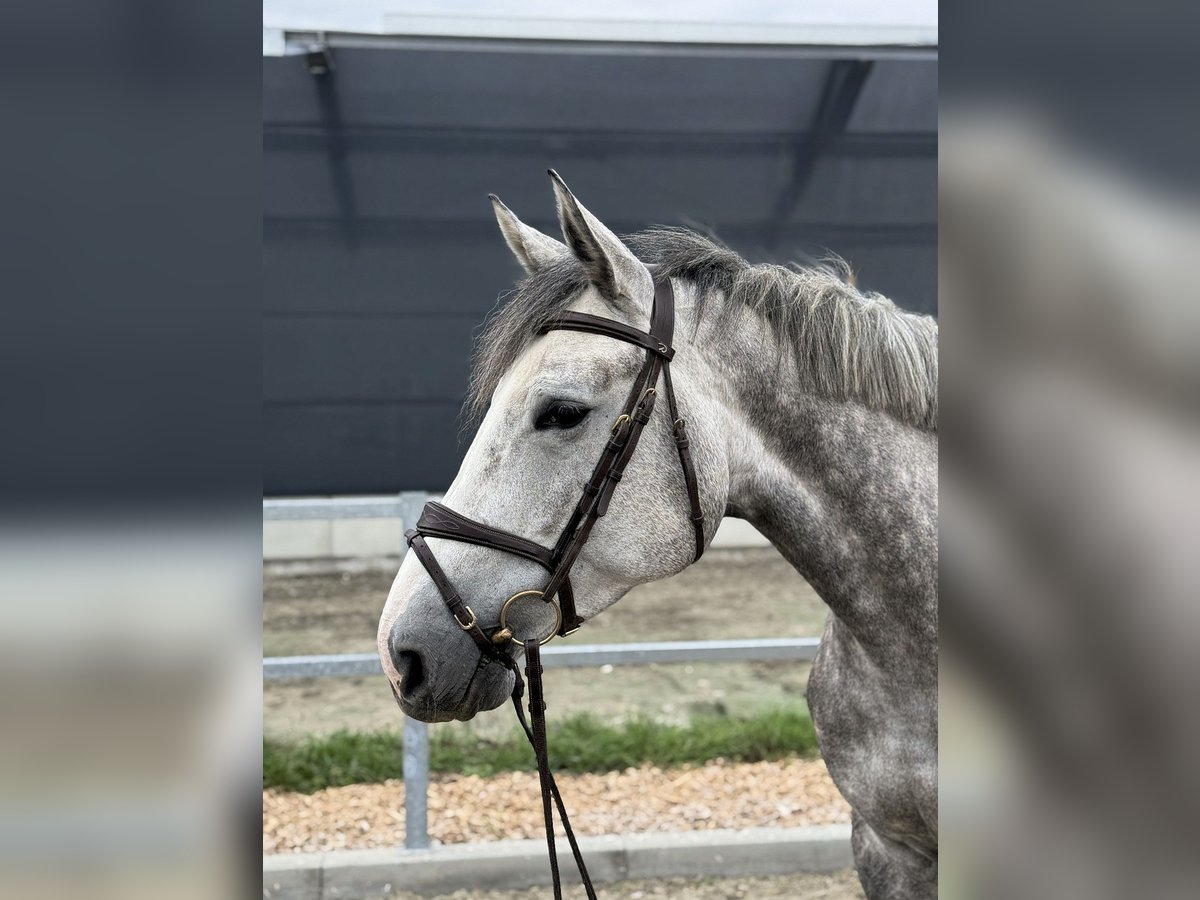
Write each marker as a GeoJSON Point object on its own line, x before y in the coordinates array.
{"type": "Point", "coordinates": [381, 256]}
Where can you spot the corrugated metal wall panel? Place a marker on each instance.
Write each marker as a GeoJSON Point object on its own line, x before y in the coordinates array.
{"type": "Point", "coordinates": [381, 256]}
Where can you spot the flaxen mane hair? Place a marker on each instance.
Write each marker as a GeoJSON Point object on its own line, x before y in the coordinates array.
{"type": "Point", "coordinates": [848, 345]}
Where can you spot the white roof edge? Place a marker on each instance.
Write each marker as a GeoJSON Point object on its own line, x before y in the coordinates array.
{"type": "Point", "coordinates": [663, 31]}
{"type": "Point", "coordinates": [292, 26]}
{"type": "Point", "coordinates": [281, 42]}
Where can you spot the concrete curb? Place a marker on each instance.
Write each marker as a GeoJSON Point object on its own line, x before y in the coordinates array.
{"type": "Point", "coordinates": [357, 874]}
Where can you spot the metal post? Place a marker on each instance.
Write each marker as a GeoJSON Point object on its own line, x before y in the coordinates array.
{"type": "Point", "coordinates": [411, 504]}
{"type": "Point", "coordinates": [416, 784]}
{"type": "Point", "coordinates": [416, 734]}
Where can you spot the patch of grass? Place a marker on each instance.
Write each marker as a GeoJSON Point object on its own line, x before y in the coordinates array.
{"type": "Point", "coordinates": [577, 744]}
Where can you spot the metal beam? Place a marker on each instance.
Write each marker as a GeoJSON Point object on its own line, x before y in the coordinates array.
{"type": "Point", "coordinates": [405, 505]}
{"type": "Point", "coordinates": [314, 138]}
{"type": "Point", "coordinates": [300, 42]}
{"type": "Point", "coordinates": [324, 78]}
{"type": "Point", "coordinates": [652, 652]}
{"type": "Point", "coordinates": [567, 656]}
{"type": "Point", "coordinates": [390, 227]}
{"type": "Point", "coordinates": [339, 508]}
{"type": "Point", "coordinates": [843, 86]}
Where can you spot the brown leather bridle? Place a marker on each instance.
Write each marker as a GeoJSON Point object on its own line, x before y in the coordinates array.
{"type": "Point", "coordinates": [442, 522]}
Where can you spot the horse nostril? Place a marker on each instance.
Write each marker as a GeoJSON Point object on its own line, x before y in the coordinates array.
{"type": "Point", "coordinates": [411, 670]}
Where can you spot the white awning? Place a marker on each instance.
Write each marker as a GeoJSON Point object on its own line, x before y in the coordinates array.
{"type": "Point", "coordinates": [292, 26]}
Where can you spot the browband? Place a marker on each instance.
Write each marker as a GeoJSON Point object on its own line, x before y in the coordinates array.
{"type": "Point", "coordinates": [577, 321]}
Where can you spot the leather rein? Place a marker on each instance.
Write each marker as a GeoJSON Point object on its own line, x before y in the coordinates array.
{"type": "Point", "coordinates": [496, 642]}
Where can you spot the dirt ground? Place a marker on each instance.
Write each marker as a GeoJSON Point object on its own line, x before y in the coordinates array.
{"type": "Point", "coordinates": [730, 593]}
{"type": "Point", "coordinates": [838, 886]}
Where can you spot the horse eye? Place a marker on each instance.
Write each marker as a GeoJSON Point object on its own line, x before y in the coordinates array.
{"type": "Point", "coordinates": [561, 414]}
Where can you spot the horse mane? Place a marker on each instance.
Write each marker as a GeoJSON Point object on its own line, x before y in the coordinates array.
{"type": "Point", "coordinates": [847, 344]}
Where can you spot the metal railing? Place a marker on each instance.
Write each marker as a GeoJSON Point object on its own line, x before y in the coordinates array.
{"type": "Point", "coordinates": [407, 506]}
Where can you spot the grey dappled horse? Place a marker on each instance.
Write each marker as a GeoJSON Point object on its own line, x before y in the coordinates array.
{"type": "Point", "coordinates": [812, 412]}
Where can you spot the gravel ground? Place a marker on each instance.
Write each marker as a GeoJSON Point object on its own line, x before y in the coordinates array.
{"type": "Point", "coordinates": [469, 808]}
{"type": "Point", "coordinates": [838, 886]}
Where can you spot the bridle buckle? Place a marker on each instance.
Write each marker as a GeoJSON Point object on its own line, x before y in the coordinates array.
{"type": "Point", "coordinates": [469, 625]}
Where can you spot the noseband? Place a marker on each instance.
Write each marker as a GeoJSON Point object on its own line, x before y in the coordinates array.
{"type": "Point", "coordinates": [442, 522]}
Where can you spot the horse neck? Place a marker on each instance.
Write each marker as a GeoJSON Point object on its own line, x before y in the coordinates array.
{"type": "Point", "coordinates": [847, 494]}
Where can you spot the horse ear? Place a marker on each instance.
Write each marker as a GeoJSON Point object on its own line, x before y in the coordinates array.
{"type": "Point", "coordinates": [611, 266]}
{"type": "Point", "coordinates": [533, 250]}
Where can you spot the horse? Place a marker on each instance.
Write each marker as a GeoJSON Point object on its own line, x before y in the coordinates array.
{"type": "Point", "coordinates": [811, 408]}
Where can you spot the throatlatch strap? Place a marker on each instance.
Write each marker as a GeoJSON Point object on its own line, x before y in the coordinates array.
{"type": "Point", "coordinates": [682, 446]}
